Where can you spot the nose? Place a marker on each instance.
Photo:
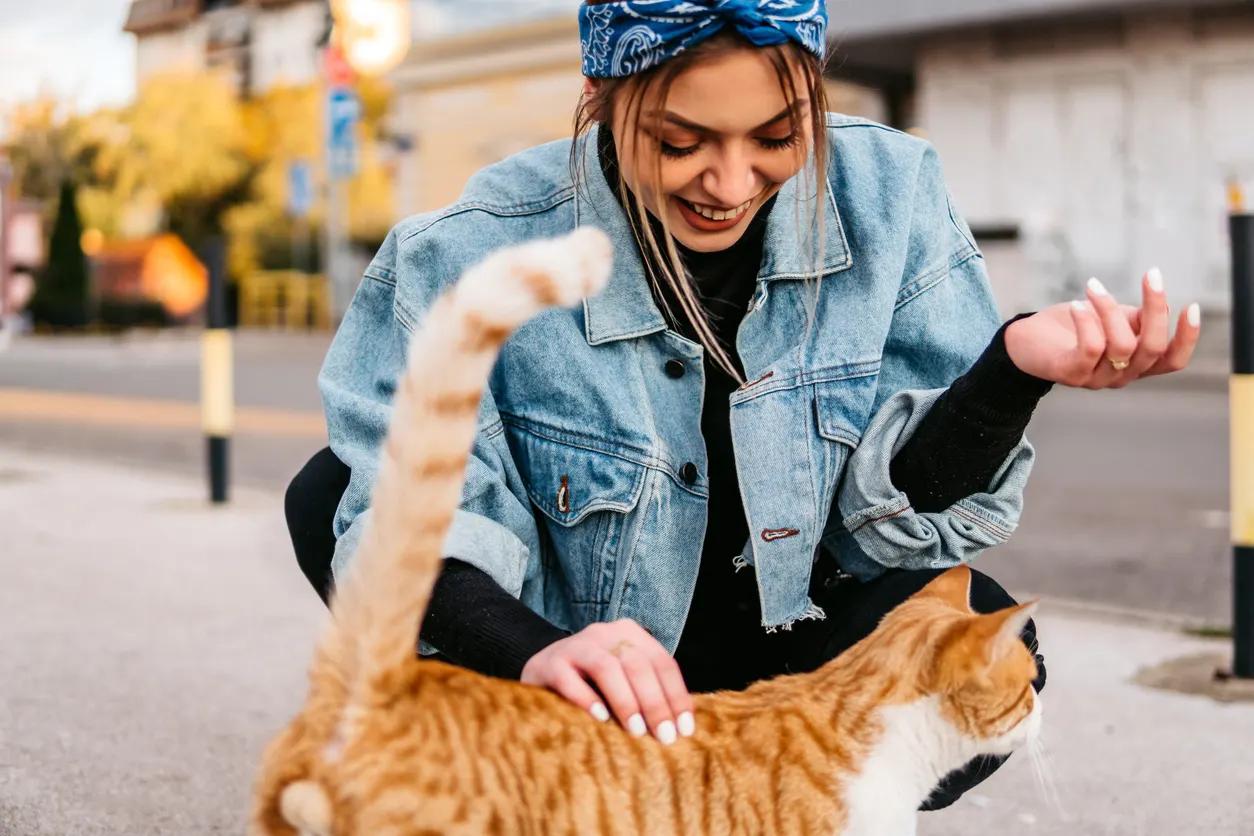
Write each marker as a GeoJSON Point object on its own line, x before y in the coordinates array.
{"type": "Point", "coordinates": [731, 179]}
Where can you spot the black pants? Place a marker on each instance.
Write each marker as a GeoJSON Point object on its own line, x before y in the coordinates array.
{"type": "Point", "coordinates": [854, 608]}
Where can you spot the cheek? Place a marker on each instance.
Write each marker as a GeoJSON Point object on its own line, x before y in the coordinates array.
{"type": "Point", "coordinates": [780, 167]}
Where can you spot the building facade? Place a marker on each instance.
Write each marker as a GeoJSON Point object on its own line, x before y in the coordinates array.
{"type": "Point", "coordinates": [261, 44]}
{"type": "Point", "coordinates": [1101, 138]}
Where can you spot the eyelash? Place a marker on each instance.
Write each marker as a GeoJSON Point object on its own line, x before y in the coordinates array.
{"type": "Point", "coordinates": [676, 153]}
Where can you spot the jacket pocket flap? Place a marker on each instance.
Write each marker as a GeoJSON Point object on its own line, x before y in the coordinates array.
{"type": "Point", "coordinates": [568, 482]}
{"type": "Point", "coordinates": [842, 407]}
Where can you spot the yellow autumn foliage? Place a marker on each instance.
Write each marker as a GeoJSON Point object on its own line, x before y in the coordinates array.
{"type": "Point", "coordinates": [188, 155]}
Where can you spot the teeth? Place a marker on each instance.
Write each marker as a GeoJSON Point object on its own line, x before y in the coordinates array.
{"type": "Point", "coordinates": [719, 214]}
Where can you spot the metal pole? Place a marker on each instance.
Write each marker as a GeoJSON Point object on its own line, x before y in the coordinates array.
{"type": "Point", "coordinates": [338, 255]}
{"type": "Point", "coordinates": [217, 376]}
{"type": "Point", "coordinates": [1241, 390]}
{"type": "Point", "coordinates": [6, 213]}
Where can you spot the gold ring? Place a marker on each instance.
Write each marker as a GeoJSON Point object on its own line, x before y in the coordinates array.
{"type": "Point", "coordinates": [1119, 365]}
{"type": "Point", "coordinates": [617, 650]}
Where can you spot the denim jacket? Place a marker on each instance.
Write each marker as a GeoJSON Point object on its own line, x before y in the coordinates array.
{"type": "Point", "coordinates": [586, 492]}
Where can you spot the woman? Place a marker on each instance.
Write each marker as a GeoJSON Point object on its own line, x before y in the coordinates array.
{"type": "Point", "coordinates": [793, 406]}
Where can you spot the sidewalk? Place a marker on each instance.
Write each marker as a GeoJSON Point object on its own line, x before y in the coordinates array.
{"type": "Point", "coordinates": [152, 644]}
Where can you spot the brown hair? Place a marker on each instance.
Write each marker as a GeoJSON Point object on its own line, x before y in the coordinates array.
{"type": "Point", "coordinates": [665, 265]}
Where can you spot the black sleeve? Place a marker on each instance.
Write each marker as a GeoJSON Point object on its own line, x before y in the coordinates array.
{"type": "Point", "coordinates": [969, 432]}
{"type": "Point", "coordinates": [480, 626]}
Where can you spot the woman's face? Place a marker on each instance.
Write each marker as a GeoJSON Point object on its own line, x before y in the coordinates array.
{"type": "Point", "coordinates": [725, 143]}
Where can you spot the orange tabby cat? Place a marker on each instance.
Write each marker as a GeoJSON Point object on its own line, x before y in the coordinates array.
{"type": "Point", "coordinates": [389, 745]}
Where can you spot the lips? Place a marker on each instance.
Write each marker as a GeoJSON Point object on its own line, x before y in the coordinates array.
{"type": "Point", "coordinates": [712, 218]}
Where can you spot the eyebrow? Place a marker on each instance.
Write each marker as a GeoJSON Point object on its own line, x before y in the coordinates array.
{"type": "Point", "coordinates": [676, 119]}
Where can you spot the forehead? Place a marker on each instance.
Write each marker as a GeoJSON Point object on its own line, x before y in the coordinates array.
{"type": "Point", "coordinates": [732, 93]}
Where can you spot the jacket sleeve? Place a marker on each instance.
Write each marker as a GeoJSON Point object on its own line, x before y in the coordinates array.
{"type": "Point", "coordinates": [494, 529]}
{"type": "Point", "coordinates": [945, 317]}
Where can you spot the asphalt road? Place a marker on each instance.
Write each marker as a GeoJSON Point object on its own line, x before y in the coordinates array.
{"type": "Point", "coordinates": [1127, 506]}
{"type": "Point", "coordinates": [151, 644]}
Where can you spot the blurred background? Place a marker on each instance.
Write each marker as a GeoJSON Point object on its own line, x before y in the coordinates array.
{"type": "Point", "coordinates": [139, 137]}
{"type": "Point", "coordinates": [145, 144]}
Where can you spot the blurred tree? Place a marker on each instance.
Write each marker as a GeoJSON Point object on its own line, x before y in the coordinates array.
{"type": "Point", "coordinates": [48, 145]}
{"type": "Point", "coordinates": [183, 149]}
{"type": "Point", "coordinates": [63, 294]}
{"type": "Point", "coordinates": [284, 126]}
{"type": "Point", "coordinates": [188, 157]}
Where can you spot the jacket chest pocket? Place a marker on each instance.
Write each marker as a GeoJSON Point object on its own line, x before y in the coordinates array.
{"type": "Point", "coordinates": [584, 497]}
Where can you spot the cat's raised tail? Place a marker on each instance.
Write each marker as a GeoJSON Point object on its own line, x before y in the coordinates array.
{"type": "Point", "coordinates": [380, 605]}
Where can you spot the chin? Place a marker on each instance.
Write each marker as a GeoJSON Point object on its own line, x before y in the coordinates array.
{"type": "Point", "coordinates": [706, 242]}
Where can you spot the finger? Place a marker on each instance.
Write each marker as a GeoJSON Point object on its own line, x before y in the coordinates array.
{"type": "Point", "coordinates": [605, 669]}
{"type": "Point", "coordinates": [653, 703]}
{"type": "Point", "coordinates": [567, 682]}
{"type": "Point", "coordinates": [1154, 336]}
{"type": "Point", "coordinates": [1180, 351]}
{"type": "Point", "coordinates": [670, 676]}
{"type": "Point", "coordinates": [676, 691]}
{"type": "Point", "coordinates": [1120, 341]}
{"type": "Point", "coordinates": [1090, 345]}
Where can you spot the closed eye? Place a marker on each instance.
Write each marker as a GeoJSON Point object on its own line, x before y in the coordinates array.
{"type": "Point", "coordinates": [677, 152]}
{"type": "Point", "coordinates": [789, 141]}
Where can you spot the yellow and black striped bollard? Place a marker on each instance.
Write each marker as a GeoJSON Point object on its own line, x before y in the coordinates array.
{"type": "Point", "coordinates": [217, 377]}
{"type": "Point", "coordinates": [1241, 399]}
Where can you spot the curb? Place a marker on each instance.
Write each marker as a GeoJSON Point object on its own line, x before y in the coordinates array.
{"type": "Point", "coordinates": [1112, 614]}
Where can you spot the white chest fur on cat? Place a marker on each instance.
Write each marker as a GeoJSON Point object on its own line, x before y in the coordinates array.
{"type": "Point", "coordinates": [918, 748]}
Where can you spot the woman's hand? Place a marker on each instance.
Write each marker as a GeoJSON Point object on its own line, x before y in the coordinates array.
{"type": "Point", "coordinates": [639, 679]}
{"type": "Point", "coordinates": [1101, 344]}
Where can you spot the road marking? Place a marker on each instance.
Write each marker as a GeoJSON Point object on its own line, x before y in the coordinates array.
{"type": "Point", "coordinates": [33, 406]}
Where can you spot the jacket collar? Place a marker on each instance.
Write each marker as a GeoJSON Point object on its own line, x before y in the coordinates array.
{"type": "Point", "coordinates": [788, 251]}
{"type": "Point", "coordinates": [625, 309]}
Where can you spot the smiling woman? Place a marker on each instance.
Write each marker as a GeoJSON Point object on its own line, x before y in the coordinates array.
{"type": "Point", "coordinates": [638, 522]}
{"type": "Point", "coordinates": [702, 169]}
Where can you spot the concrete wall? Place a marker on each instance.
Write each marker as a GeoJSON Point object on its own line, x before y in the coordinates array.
{"type": "Point", "coordinates": [1109, 142]}
{"type": "Point", "coordinates": [472, 100]}
{"type": "Point", "coordinates": [178, 50]}
{"type": "Point", "coordinates": [281, 44]}
{"type": "Point", "coordinates": [283, 51]}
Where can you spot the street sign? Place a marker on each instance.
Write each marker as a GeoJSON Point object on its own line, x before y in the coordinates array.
{"type": "Point", "coordinates": [343, 113]}
{"type": "Point", "coordinates": [300, 189]}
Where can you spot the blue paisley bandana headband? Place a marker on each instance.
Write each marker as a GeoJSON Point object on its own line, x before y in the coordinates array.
{"type": "Point", "coordinates": [625, 38]}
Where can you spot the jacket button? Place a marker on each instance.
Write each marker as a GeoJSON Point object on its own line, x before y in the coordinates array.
{"type": "Point", "coordinates": [689, 473]}
{"type": "Point", "coordinates": [675, 369]}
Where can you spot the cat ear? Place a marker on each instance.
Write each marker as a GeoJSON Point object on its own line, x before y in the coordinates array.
{"type": "Point", "coordinates": [953, 587]}
{"type": "Point", "coordinates": [1001, 631]}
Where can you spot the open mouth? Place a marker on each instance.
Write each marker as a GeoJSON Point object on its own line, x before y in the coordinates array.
{"type": "Point", "coordinates": [712, 218]}
{"type": "Point", "coordinates": [713, 214]}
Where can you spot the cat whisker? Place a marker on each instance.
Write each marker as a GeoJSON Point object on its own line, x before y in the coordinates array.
{"type": "Point", "coordinates": [1043, 771]}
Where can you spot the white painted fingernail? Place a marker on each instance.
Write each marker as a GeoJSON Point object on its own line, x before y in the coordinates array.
{"type": "Point", "coordinates": [1082, 307]}
{"type": "Point", "coordinates": [666, 733]}
{"type": "Point", "coordinates": [601, 713]}
{"type": "Point", "coordinates": [1194, 313]}
{"type": "Point", "coordinates": [1097, 288]}
{"type": "Point", "coordinates": [1155, 279]}
{"type": "Point", "coordinates": [636, 726]}
{"type": "Point", "coordinates": [687, 724]}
